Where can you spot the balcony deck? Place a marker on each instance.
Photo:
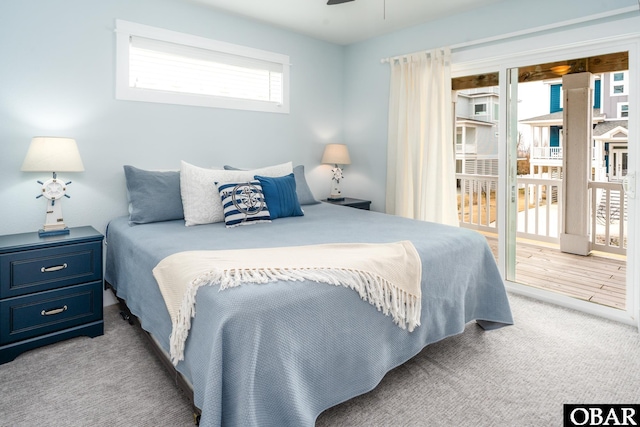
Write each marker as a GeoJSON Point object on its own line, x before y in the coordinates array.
{"type": "Point", "coordinates": [599, 278]}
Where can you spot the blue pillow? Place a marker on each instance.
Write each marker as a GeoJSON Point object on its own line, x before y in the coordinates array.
{"type": "Point", "coordinates": [243, 203]}
{"type": "Point", "coordinates": [280, 194]}
{"type": "Point", "coordinates": [305, 196]}
{"type": "Point", "coordinates": [153, 195]}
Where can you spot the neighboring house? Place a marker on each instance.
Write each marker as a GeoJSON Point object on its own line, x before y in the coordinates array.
{"type": "Point", "coordinates": [477, 114]}
{"type": "Point", "coordinates": [611, 142]}
{"type": "Point", "coordinates": [610, 130]}
{"type": "Point", "coordinates": [612, 136]}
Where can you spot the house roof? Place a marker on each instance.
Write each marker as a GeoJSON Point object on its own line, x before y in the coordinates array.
{"type": "Point", "coordinates": [461, 120]}
{"type": "Point", "coordinates": [607, 126]}
{"type": "Point", "coordinates": [557, 117]}
{"type": "Point", "coordinates": [478, 94]}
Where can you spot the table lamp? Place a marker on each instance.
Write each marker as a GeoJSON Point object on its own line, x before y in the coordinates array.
{"type": "Point", "coordinates": [53, 154]}
{"type": "Point", "coordinates": [336, 154]}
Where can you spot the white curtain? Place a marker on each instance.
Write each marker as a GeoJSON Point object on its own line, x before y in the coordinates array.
{"type": "Point", "coordinates": [421, 182]}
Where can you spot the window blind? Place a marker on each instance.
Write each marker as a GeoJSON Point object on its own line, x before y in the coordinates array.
{"type": "Point", "coordinates": [165, 66]}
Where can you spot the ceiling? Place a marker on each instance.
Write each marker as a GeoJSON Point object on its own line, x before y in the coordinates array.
{"type": "Point", "coordinates": [348, 22]}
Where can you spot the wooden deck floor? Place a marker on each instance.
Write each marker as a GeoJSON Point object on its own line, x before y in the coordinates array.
{"type": "Point", "coordinates": [596, 278]}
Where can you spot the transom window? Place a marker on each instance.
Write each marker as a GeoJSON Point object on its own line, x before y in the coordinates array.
{"type": "Point", "coordinates": [157, 65]}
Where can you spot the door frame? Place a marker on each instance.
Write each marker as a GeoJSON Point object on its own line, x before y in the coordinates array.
{"type": "Point", "coordinates": [591, 40]}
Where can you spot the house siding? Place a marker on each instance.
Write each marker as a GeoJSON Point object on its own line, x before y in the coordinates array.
{"type": "Point", "coordinates": [59, 80]}
{"type": "Point", "coordinates": [610, 103]}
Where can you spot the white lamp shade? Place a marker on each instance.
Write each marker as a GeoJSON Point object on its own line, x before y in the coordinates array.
{"type": "Point", "coordinates": [52, 154]}
{"type": "Point", "coordinates": [336, 154]}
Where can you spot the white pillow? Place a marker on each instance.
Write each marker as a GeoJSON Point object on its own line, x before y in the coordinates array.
{"type": "Point", "coordinates": [200, 197]}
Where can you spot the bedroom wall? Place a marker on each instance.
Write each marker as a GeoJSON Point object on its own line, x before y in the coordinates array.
{"type": "Point", "coordinates": [57, 77]}
{"type": "Point", "coordinates": [367, 80]}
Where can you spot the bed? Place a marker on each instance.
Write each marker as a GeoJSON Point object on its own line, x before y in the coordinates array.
{"type": "Point", "coordinates": [280, 353]}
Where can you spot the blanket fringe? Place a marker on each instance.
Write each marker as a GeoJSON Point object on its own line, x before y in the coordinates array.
{"type": "Point", "coordinates": [386, 297]}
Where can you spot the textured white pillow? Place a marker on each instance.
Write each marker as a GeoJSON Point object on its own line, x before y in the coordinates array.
{"type": "Point", "coordinates": [200, 197]}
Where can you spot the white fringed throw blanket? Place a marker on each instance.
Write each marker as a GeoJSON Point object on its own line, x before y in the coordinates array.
{"type": "Point", "coordinates": [387, 275]}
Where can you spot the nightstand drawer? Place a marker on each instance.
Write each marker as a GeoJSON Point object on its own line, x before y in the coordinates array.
{"type": "Point", "coordinates": [38, 270]}
{"type": "Point", "coordinates": [49, 311]}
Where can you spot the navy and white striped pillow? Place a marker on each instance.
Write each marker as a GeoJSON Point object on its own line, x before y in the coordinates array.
{"type": "Point", "coordinates": [243, 203]}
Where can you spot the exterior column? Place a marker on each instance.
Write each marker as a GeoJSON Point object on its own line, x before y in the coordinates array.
{"type": "Point", "coordinates": [576, 162]}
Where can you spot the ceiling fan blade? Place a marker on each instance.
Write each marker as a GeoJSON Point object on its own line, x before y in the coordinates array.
{"type": "Point", "coordinates": [330, 2]}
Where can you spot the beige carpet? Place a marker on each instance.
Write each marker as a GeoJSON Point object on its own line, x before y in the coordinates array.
{"type": "Point", "coordinates": [520, 375]}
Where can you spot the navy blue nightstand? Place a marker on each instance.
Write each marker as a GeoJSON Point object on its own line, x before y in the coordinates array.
{"type": "Point", "coordinates": [50, 289]}
{"type": "Point", "coordinates": [351, 202]}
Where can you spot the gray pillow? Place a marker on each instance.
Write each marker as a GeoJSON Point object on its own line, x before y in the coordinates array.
{"type": "Point", "coordinates": [154, 196]}
{"type": "Point", "coordinates": [305, 196]}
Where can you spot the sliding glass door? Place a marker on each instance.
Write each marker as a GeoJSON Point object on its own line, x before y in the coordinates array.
{"type": "Point", "coordinates": [566, 210]}
{"type": "Point", "coordinates": [558, 210]}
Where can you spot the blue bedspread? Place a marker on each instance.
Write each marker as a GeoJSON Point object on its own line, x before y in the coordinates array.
{"type": "Point", "coordinates": [279, 354]}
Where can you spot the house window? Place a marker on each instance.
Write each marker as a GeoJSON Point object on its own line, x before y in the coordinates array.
{"type": "Point", "coordinates": [157, 65]}
{"type": "Point", "coordinates": [459, 138]}
{"type": "Point", "coordinates": [480, 109]}
{"type": "Point", "coordinates": [623, 110]}
{"type": "Point", "coordinates": [619, 83]}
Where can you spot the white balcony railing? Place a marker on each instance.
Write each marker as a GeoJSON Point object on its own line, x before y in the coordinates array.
{"type": "Point", "coordinates": [540, 210]}
{"type": "Point", "coordinates": [608, 217]}
{"type": "Point", "coordinates": [477, 201]}
{"type": "Point", "coordinates": [550, 153]}
{"type": "Point", "coordinates": [546, 153]}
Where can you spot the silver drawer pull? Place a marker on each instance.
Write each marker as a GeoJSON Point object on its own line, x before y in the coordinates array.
{"type": "Point", "coordinates": [54, 268]}
{"type": "Point", "coordinates": [54, 311]}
